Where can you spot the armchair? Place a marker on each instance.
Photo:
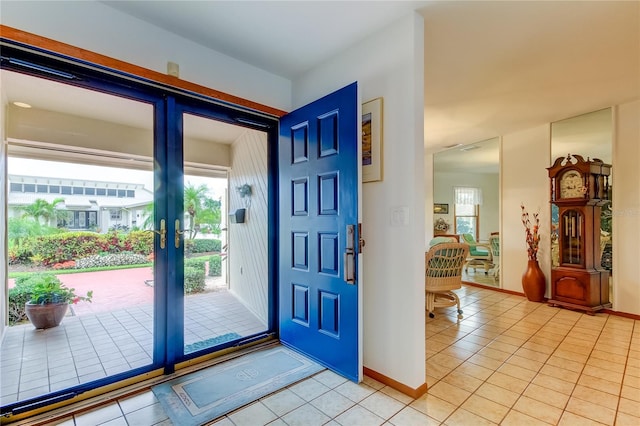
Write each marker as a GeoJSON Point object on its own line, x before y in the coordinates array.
{"type": "Point", "coordinates": [479, 254]}
{"type": "Point", "coordinates": [443, 274]}
{"type": "Point", "coordinates": [494, 243]}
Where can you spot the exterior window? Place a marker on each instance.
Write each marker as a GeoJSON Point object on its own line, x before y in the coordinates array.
{"type": "Point", "coordinates": [29, 187]}
{"type": "Point", "coordinates": [121, 193]}
{"type": "Point", "coordinates": [131, 193]}
{"type": "Point", "coordinates": [54, 189]}
{"type": "Point", "coordinates": [66, 190]}
{"type": "Point", "coordinates": [82, 219]}
{"type": "Point", "coordinates": [101, 191]}
{"type": "Point", "coordinates": [466, 219]}
{"type": "Point", "coordinates": [42, 188]}
{"type": "Point", "coordinates": [78, 190]}
{"type": "Point", "coordinates": [467, 203]}
{"type": "Point", "coordinates": [116, 214]}
{"type": "Point", "coordinates": [93, 219]}
{"type": "Point", "coordinates": [89, 191]}
{"type": "Point", "coordinates": [111, 192]}
{"type": "Point", "coordinates": [65, 219]}
{"type": "Point", "coordinates": [78, 219]}
{"type": "Point", "coordinates": [15, 187]}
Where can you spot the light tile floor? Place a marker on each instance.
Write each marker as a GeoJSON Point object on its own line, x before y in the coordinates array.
{"type": "Point", "coordinates": [508, 362]}
{"type": "Point", "coordinates": [93, 346]}
{"type": "Point", "coordinates": [477, 276]}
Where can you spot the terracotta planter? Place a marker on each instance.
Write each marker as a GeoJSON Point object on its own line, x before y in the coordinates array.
{"type": "Point", "coordinates": [534, 283]}
{"type": "Point", "coordinates": [46, 316]}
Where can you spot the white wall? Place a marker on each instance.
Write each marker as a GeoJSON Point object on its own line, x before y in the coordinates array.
{"type": "Point", "coordinates": [525, 157]}
{"type": "Point", "coordinates": [248, 242]}
{"type": "Point", "coordinates": [528, 182]}
{"type": "Point", "coordinates": [626, 207]}
{"type": "Point", "coordinates": [389, 64]}
{"type": "Point", "coordinates": [99, 28]}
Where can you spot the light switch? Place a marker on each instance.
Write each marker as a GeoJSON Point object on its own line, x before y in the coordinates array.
{"type": "Point", "coordinates": [400, 216]}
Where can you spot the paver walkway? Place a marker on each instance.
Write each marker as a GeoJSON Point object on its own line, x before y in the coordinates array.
{"type": "Point", "coordinates": [117, 289]}
{"type": "Point", "coordinates": [111, 335]}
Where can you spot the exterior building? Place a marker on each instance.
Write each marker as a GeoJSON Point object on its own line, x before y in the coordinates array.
{"type": "Point", "coordinates": [86, 205]}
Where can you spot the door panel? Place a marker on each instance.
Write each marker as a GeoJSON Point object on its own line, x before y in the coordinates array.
{"type": "Point", "coordinates": [136, 126]}
{"type": "Point", "coordinates": [104, 195]}
{"type": "Point", "coordinates": [221, 307]}
{"type": "Point", "coordinates": [318, 221]}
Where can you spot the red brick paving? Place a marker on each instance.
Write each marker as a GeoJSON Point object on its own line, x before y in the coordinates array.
{"type": "Point", "coordinates": [112, 290]}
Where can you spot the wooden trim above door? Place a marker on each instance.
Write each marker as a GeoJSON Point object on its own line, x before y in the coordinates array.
{"type": "Point", "coordinates": [68, 50]}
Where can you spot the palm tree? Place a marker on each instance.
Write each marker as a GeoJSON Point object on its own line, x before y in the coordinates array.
{"type": "Point", "coordinates": [149, 217]}
{"type": "Point", "coordinates": [41, 208]}
{"type": "Point", "coordinates": [193, 204]}
{"type": "Point", "coordinates": [211, 215]}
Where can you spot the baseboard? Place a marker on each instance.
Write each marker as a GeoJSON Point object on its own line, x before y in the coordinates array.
{"type": "Point", "coordinates": [407, 390]}
{"type": "Point", "coordinates": [516, 293]}
{"type": "Point", "coordinates": [621, 314]}
{"type": "Point", "coordinates": [499, 290]}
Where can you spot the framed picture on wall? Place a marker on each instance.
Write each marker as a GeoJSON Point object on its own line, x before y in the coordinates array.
{"type": "Point", "coordinates": [441, 208]}
{"type": "Point", "coordinates": [372, 140]}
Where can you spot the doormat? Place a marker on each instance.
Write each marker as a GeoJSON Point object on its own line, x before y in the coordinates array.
{"type": "Point", "coordinates": [207, 343]}
{"type": "Point", "coordinates": [203, 396]}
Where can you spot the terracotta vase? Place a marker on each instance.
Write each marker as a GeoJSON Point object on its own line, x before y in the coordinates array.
{"type": "Point", "coordinates": [534, 283]}
{"type": "Point", "coordinates": [48, 315]}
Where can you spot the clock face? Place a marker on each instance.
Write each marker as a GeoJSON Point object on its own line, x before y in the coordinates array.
{"type": "Point", "coordinates": [571, 185]}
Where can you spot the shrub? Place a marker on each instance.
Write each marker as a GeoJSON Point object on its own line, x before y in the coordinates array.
{"type": "Point", "coordinates": [215, 266]}
{"type": "Point", "coordinates": [18, 296]}
{"type": "Point", "coordinates": [198, 263]}
{"type": "Point", "coordinates": [59, 248]}
{"type": "Point", "coordinates": [193, 280]}
{"type": "Point", "coordinates": [20, 254]}
{"type": "Point", "coordinates": [202, 246]}
{"type": "Point", "coordinates": [141, 242]}
{"type": "Point", "coordinates": [114, 259]}
{"type": "Point", "coordinates": [69, 264]}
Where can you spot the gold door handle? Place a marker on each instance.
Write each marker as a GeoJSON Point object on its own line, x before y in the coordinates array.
{"type": "Point", "coordinates": [162, 232]}
{"type": "Point", "coordinates": [178, 233]}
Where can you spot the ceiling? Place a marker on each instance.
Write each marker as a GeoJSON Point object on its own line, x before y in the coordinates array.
{"type": "Point", "coordinates": [491, 68]}
{"type": "Point", "coordinates": [72, 100]}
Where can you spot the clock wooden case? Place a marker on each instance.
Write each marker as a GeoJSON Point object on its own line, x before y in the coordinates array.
{"type": "Point", "coordinates": [579, 188]}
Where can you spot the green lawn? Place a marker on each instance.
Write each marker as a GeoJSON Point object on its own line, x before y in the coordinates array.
{"type": "Point", "coordinates": [78, 271]}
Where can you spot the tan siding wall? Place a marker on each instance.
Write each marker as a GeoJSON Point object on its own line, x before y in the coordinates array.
{"type": "Point", "coordinates": [3, 218]}
{"type": "Point", "coordinates": [248, 245]}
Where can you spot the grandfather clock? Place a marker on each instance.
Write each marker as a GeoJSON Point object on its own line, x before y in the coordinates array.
{"type": "Point", "coordinates": [579, 188]}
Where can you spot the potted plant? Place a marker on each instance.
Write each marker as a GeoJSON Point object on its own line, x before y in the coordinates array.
{"type": "Point", "coordinates": [49, 300]}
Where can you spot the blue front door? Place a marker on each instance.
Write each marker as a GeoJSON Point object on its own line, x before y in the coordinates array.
{"type": "Point", "coordinates": [318, 216]}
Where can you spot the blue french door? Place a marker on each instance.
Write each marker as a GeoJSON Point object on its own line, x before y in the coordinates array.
{"type": "Point", "coordinates": [154, 336]}
{"type": "Point", "coordinates": [198, 323]}
{"type": "Point", "coordinates": [318, 188]}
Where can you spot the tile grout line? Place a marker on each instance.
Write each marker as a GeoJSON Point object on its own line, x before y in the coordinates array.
{"type": "Point", "coordinates": [541, 326]}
